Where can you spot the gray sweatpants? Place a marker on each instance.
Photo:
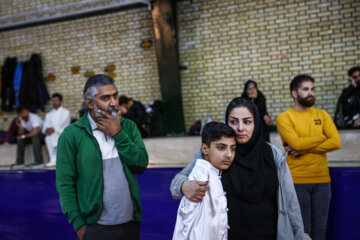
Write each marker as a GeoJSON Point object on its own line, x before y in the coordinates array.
{"type": "Point", "coordinates": [314, 200]}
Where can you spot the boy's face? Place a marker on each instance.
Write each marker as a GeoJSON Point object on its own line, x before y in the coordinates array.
{"type": "Point", "coordinates": [220, 153]}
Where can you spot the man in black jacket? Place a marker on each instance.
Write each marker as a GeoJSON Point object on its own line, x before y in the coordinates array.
{"type": "Point", "coordinates": [349, 101]}
{"type": "Point", "coordinates": [136, 112]}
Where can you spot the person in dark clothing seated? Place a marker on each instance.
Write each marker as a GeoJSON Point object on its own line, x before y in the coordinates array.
{"type": "Point", "coordinates": [10, 136]}
{"type": "Point", "coordinates": [156, 119]}
{"type": "Point", "coordinates": [136, 112]}
{"type": "Point", "coordinates": [347, 114]}
{"type": "Point", "coordinates": [251, 91]}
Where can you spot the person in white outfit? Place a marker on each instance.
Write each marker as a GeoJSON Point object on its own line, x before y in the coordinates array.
{"type": "Point", "coordinates": [55, 122]}
{"type": "Point", "coordinates": [208, 219]}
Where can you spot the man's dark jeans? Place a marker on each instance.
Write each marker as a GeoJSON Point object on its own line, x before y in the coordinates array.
{"type": "Point", "coordinates": [36, 144]}
{"type": "Point", "coordinates": [125, 231]}
{"type": "Point", "coordinates": [314, 200]}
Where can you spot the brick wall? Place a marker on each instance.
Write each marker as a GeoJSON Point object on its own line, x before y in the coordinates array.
{"type": "Point", "coordinates": [222, 43]}
{"type": "Point", "coordinates": [91, 43]}
{"type": "Point", "coordinates": [225, 43]}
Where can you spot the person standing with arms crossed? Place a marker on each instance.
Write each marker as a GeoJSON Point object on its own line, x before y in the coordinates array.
{"type": "Point", "coordinates": [97, 159]}
{"type": "Point", "coordinates": [308, 134]}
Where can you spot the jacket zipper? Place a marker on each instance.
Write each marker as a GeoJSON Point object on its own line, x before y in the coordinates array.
{"type": "Point", "coordinates": [102, 168]}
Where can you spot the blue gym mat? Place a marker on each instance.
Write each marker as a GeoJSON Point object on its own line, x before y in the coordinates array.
{"type": "Point", "coordinates": [30, 210]}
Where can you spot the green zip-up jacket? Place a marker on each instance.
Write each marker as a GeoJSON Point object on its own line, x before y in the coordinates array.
{"type": "Point", "coordinates": [79, 173]}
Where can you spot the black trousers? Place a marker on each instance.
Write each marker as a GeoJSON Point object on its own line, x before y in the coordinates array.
{"type": "Point", "coordinates": [125, 231]}
{"type": "Point", "coordinates": [36, 143]}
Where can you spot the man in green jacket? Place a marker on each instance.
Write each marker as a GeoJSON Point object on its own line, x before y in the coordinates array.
{"type": "Point", "coordinates": [97, 159]}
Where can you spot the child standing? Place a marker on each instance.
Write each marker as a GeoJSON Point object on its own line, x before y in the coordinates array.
{"type": "Point", "coordinates": [208, 218]}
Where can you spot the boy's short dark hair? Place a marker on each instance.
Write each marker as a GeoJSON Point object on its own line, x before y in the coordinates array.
{"type": "Point", "coordinates": [298, 80]}
{"type": "Point", "coordinates": [214, 131]}
{"type": "Point", "coordinates": [352, 70]}
{"type": "Point", "coordinates": [57, 95]}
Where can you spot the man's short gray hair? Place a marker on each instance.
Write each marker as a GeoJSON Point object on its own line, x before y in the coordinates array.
{"type": "Point", "coordinates": [91, 85]}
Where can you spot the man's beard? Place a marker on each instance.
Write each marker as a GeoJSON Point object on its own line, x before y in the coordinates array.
{"type": "Point", "coordinates": [111, 110]}
{"type": "Point", "coordinates": [306, 102]}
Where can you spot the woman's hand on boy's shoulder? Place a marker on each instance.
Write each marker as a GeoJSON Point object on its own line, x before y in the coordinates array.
{"type": "Point", "coordinates": [194, 190]}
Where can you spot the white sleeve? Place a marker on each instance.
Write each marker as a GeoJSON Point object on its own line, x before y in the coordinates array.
{"type": "Point", "coordinates": [65, 121]}
{"type": "Point", "coordinates": [46, 123]}
{"type": "Point", "coordinates": [36, 121]}
{"type": "Point", "coordinates": [190, 216]}
{"type": "Point", "coordinates": [199, 173]}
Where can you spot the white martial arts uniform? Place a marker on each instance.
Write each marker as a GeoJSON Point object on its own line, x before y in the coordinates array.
{"type": "Point", "coordinates": [57, 119]}
{"type": "Point", "coordinates": [208, 218]}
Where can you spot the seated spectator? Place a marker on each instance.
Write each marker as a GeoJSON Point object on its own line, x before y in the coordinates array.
{"type": "Point", "coordinates": [251, 91]}
{"type": "Point", "coordinates": [136, 112]}
{"type": "Point", "coordinates": [195, 129]}
{"type": "Point", "coordinates": [10, 135]}
{"type": "Point", "coordinates": [347, 114]}
{"type": "Point", "coordinates": [29, 132]}
{"type": "Point", "coordinates": [156, 119]}
{"type": "Point", "coordinates": [54, 124]}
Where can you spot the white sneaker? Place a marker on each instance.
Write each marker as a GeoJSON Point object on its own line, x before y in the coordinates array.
{"type": "Point", "coordinates": [17, 166]}
{"type": "Point", "coordinates": [50, 165]}
{"type": "Point", "coordinates": [36, 166]}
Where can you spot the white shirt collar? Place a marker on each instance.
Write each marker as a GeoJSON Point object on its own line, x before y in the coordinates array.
{"type": "Point", "coordinates": [92, 122]}
{"type": "Point", "coordinates": [59, 108]}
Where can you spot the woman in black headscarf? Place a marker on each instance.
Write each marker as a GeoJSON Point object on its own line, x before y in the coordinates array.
{"type": "Point", "coordinates": [251, 91]}
{"type": "Point", "coordinates": [261, 198]}
{"type": "Point", "coordinates": [252, 181]}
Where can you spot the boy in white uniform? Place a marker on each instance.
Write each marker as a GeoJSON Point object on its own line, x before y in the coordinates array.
{"type": "Point", "coordinates": [208, 218]}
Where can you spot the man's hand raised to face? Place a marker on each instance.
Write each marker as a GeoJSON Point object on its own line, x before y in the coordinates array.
{"type": "Point", "coordinates": [109, 125]}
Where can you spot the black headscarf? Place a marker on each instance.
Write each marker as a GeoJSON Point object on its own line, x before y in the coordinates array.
{"type": "Point", "coordinates": [252, 160]}
{"type": "Point", "coordinates": [260, 101]}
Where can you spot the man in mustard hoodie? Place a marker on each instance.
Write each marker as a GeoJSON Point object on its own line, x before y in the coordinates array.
{"type": "Point", "coordinates": [308, 134]}
{"type": "Point", "coordinates": [97, 159]}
